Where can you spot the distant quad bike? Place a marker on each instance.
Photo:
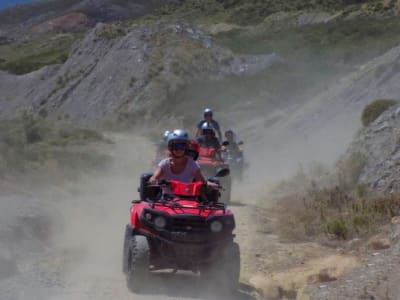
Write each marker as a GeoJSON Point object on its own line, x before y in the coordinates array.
{"type": "Point", "coordinates": [235, 160]}
{"type": "Point", "coordinates": [209, 164]}
{"type": "Point", "coordinates": [180, 226]}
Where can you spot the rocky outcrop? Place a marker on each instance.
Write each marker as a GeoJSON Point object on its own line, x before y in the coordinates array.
{"type": "Point", "coordinates": [379, 146]}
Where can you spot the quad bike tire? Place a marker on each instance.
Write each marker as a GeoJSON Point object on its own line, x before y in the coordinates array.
{"type": "Point", "coordinates": [136, 262]}
{"type": "Point", "coordinates": [224, 274]}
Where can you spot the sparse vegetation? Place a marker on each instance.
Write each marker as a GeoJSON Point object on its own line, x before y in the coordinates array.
{"type": "Point", "coordinates": [111, 31]}
{"type": "Point", "coordinates": [333, 43]}
{"type": "Point", "coordinates": [250, 12]}
{"type": "Point", "coordinates": [24, 57]}
{"type": "Point", "coordinates": [349, 169]}
{"type": "Point", "coordinates": [373, 110]}
{"type": "Point", "coordinates": [29, 142]}
{"type": "Point", "coordinates": [335, 212]}
{"type": "Point", "coordinates": [332, 204]}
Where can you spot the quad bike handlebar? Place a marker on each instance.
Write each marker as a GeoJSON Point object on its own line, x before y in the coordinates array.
{"type": "Point", "coordinates": [167, 183]}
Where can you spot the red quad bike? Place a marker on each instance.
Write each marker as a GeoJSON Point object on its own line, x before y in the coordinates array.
{"type": "Point", "coordinates": [209, 164]}
{"type": "Point", "coordinates": [181, 226]}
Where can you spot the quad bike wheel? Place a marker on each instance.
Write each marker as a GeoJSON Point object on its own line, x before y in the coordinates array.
{"type": "Point", "coordinates": [136, 262]}
{"type": "Point", "coordinates": [224, 274]}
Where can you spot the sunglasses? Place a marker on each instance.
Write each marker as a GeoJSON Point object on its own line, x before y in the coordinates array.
{"type": "Point", "coordinates": [178, 146]}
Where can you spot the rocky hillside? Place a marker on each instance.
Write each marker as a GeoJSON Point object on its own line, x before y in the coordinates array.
{"type": "Point", "coordinates": [132, 72]}
{"type": "Point", "coordinates": [116, 71]}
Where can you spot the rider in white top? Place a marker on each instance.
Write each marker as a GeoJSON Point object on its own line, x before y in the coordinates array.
{"type": "Point", "coordinates": [187, 175]}
{"type": "Point", "coordinates": [179, 166]}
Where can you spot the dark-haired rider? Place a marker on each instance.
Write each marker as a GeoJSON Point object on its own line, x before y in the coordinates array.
{"type": "Point", "coordinates": [233, 146]}
{"type": "Point", "coordinates": [193, 149]}
{"type": "Point", "coordinates": [208, 118]}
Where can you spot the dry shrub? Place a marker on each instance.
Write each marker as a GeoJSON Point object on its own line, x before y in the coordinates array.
{"type": "Point", "coordinates": [334, 212]}
{"type": "Point", "coordinates": [349, 169]}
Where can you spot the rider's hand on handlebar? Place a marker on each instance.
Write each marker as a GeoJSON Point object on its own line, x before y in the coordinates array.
{"type": "Point", "coordinates": [153, 181]}
{"type": "Point", "coordinates": [213, 185]}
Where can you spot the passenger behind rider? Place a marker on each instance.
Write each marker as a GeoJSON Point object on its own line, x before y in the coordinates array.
{"type": "Point", "coordinates": [208, 118]}
{"type": "Point", "coordinates": [209, 142]}
{"type": "Point", "coordinates": [179, 166]}
{"type": "Point", "coordinates": [233, 146]}
{"type": "Point", "coordinates": [193, 150]}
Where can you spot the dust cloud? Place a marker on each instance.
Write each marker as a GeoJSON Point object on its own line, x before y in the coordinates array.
{"type": "Point", "coordinates": [90, 222]}
{"type": "Point", "coordinates": [88, 216]}
{"type": "Point", "coordinates": [81, 258]}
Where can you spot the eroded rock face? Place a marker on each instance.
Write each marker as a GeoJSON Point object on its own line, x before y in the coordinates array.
{"type": "Point", "coordinates": [379, 145]}
{"type": "Point", "coordinates": [116, 70]}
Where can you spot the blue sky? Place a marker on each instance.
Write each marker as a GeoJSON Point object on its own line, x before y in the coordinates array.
{"type": "Point", "coordinates": [7, 3]}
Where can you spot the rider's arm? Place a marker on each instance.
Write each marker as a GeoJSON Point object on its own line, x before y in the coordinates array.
{"type": "Point", "coordinates": [198, 128]}
{"type": "Point", "coordinates": [197, 132]}
{"type": "Point", "coordinates": [219, 134]}
{"type": "Point", "coordinates": [219, 155]}
{"type": "Point", "coordinates": [198, 176]}
{"type": "Point", "coordinates": [217, 146]}
{"type": "Point", "coordinates": [156, 176]}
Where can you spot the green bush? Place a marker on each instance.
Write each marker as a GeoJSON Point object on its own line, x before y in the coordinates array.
{"type": "Point", "coordinates": [24, 57]}
{"type": "Point", "coordinates": [339, 228]}
{"type": "Point", "coordinates": [34, 62]}
{"type": "Point", "coordinates": [373, 110]}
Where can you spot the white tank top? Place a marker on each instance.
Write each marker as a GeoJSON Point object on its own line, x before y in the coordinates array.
{"type": "Point", "coordinates": [187, 175]}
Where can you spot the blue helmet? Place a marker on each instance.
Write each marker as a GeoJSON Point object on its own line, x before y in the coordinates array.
{"type": "Point", "coordinates": [176, 136]}
{"type": "Point", "coordinates": [207, 127]}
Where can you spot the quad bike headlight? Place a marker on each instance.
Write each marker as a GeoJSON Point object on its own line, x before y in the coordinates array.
{"type": "Point", "coordinates": [216, 226]}
{"type": "Point", "coordinates": [148, 216]}
{"type": "Point", "coordinates": [160, 222]}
